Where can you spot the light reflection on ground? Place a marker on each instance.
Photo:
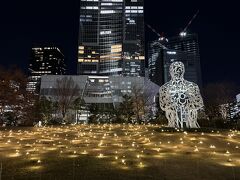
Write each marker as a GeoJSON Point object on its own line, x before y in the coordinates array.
{"type": "Point", "coordinates": [121, 147]}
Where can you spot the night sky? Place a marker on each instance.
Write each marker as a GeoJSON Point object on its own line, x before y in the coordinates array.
{"type": "Point", "coordinates": [55, 22]}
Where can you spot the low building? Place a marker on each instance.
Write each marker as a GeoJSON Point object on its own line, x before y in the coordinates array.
{"type": "Point", "coordinates": [104, 91]}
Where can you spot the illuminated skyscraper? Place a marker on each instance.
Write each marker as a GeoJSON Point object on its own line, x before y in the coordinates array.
{"type": "Point", "coordinates": [182, 48]}
{"type": "Point", "coordinates": [133, 42]}
{"type": "Point", "coordinates": [155, 62]}
{"type": "Point", "coordinates": [188, 44]}
{"type": "Point", "coordinates": [111, 38]}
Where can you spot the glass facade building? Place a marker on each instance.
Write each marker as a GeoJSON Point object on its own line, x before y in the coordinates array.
{"type": "Point", "coordinates": [155, 62]}
{"type": "Point", "coordinates": [133, 42]}
{"type": "Point", "coordinates": [111, 38]}
{"type": "Point", "coordinates": [163, 53]}
{"type": "Point", "coordinates": [189, 45]}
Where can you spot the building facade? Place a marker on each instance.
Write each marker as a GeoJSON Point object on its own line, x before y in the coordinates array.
{"type": "Point", "coordinates": [189, 45]}
{"type": "Point", "coordinates": [103, 91]}
{"type": "Point", "coordinates": [163, 52]}
{"type": "Point", "coordinates": [44, 61]}
{"type": "Point", "coordinates": [156, 62]}
{"type": "Point", "coordinates": [111, 38]}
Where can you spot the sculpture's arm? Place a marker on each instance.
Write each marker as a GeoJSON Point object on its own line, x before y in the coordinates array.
{"type": "Point", "coordinates": [163, 98]}
{"type": "Point", "coordinates": [198, 101]}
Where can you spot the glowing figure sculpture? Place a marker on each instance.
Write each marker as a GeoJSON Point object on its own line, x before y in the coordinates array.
{"type": "Point", "coordinates": [180, 99]}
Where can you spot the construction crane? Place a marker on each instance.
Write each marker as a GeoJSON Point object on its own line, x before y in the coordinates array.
{"type": "Point", "coordinates": [154, 31]}
{"type": "Point", "coordinates": [184, 32]}
{"type": "Point", "coordinates": [161, 38]}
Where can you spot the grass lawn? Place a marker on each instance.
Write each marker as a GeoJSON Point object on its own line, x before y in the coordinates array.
{"type": "Point", "coordinates": [118, 152]}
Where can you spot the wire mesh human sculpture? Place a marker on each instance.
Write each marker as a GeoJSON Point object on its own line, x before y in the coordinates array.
{"type": "Point", "coordinates": [180, 99]}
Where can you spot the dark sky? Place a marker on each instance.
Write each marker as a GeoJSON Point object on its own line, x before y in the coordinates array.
{"type": "Point", "coordinates": [25, 23]}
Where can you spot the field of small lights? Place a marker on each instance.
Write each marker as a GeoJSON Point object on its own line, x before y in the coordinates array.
{"type": "Point", "coordinates": [117, 152]}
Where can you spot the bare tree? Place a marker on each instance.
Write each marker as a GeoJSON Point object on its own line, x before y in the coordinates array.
{"type": "Point", "coordinates": [125, 109]}
{"type": "Point", "coordinates": [142, 103]}
{"type": "Point", "coordinates": [66, 92]}
{"type": "Point", "coordinates": [78, 104]}
{"type": "Point", "coordinates": [7, 90]}
{"type": "Point", "coordinates": [138, 103]}
{"type": "Point", "coordinates": [14, 97]}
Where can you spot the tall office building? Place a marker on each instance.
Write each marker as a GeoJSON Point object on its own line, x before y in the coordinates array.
{"type": "Point", "coordinates": [188, 43]}
{"type": "Point", "coordinates": [44, 61]}
{"type": "Point", "coordinates": [111, 38]}
{"type": "Point", "coordinates": [156, 62]}
{"type": "Point", "coordinates": [133, 42]}
{"type": "Point", "coordinates": [183, 48]}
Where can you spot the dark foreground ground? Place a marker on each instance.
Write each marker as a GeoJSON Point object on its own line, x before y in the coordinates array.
{"type": "Point", "coordinates": [118, 152]}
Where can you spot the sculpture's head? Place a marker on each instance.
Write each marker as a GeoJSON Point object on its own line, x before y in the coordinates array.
{"type": "Point", "coordinates": [177, 70]}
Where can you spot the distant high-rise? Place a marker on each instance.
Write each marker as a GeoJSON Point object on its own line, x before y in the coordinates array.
{"type": "Point", "coordinates": [44, 61]}
{"type": "Point", "coordinates": [133, 39]}
{"type": "Point", "coordinates": [183, 48]}
{"type": "Point", "coordinates": [155, 62]}
{"type": "Point", "coordinates": [188, 43]}
{"type": "Point", "coordinates": [111, 38]}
